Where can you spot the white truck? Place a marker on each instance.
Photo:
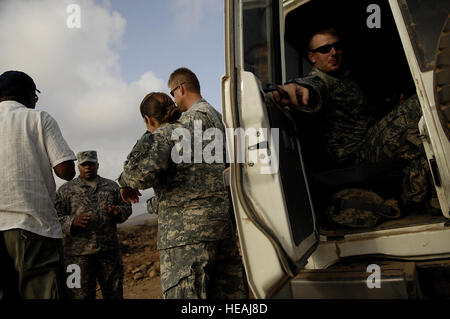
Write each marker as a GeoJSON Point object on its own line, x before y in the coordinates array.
{"type": "Point", "coordinates": [288, 252]}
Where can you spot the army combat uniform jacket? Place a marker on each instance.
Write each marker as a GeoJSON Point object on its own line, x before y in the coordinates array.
{"type": "Point", "coordinates": [352, 134]}
{"type": "Point", "coordinates": [193, 204]}
{"type": "Point", "coordinates": [195, 235]}
{"type": "Point", "coordinates": [77, 197]}
{"type": "Point", "coordinates": [345, 115]}
{"type": "Point", "coordinates": [201, 112]}
{"type": "Point", "coordinates": [204, 112]}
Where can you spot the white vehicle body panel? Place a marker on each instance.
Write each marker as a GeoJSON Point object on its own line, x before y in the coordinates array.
{"type": "Point", "coordinates": [435, 141]}
{"type": "Point", "coordinates": [262, 192]}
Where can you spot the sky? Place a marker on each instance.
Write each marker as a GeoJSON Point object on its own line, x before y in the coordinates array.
{"type": "Point", "coordinates": [95, 61]}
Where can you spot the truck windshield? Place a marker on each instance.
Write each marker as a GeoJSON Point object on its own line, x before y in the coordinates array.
{"type": "Point", "coordinates": [424, 20]}
{"type": "Point", "coordinates": [261, 43]}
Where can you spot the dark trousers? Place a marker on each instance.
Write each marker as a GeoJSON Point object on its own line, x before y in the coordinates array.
{"type": "Point", "coordinates": [106, 267]}
{"type": "Point", "coordinates": [30, 265]}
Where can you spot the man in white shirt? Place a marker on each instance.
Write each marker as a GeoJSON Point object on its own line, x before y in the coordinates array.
{"type": "Point", "coordinates": [30, 233]}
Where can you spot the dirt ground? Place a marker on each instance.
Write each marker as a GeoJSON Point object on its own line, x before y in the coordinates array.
{"type": "Point", "coordinates": [140, 261]}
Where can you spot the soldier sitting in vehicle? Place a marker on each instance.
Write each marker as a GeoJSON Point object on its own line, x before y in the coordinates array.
{"type": "Point", "coordinates": [350, 134]}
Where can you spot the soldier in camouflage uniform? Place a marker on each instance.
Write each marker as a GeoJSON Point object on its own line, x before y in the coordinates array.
{"type": "Point", "coordinates": [89, 207]}
{"type": "Point", "coordinates": [152, 205]}
{"type": "Point", "coordinates": [199, 256]}
{"type": "Point", "coordinates": [350, 133]}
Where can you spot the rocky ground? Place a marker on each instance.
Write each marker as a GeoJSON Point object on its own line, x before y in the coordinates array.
{"type": "Point", "coordinates": [140, 261]}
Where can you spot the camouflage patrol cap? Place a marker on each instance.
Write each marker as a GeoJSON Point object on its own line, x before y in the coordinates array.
{"type": "Point", "coordinates": [360, 208]}
{"type": "Point", "coordinates": [87, 156]}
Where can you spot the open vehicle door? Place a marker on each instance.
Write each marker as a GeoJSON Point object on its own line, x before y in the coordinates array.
{"type": "Point", "coordinates": [272, 203]}
{"type": "Point", "coordinates": [424, 30]}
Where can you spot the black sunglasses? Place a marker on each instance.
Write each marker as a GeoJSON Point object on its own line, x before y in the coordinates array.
{"type": "Point", "coordinates": [327, 48]}
{"type": "Point", "coordinates": [175, 88]}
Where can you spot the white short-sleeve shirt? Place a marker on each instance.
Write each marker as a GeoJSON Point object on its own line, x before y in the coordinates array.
{"type": "Point", "coordinates": [31, 144]}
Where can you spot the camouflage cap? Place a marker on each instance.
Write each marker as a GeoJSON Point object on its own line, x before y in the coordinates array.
{"type": "Point", "coordinates": [355, 207]}
{"type": "Point", "coordinates": [87, 156]}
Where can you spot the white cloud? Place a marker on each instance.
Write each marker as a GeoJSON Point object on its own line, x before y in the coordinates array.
{"type": "Point", "coordinates": [78, 72]}
{"type": "Point", "coordinates": [188, 14]}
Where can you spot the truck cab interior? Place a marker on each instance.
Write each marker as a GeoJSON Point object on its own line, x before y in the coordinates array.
{"type": "Point", "coordinates": [376, 60]}
{"type": "Point", "coordinates": [281, 214]}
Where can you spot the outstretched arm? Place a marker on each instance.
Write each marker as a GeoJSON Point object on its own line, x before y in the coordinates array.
{"type": "Point", "coordinates": [149, 156]}
{"type": "Point", "coordinates": [294, 92]}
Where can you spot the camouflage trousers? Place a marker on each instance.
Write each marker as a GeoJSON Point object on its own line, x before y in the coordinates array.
{"type": "Point", "coordinates": [396, 137]}
{"type": "Point", "coordinates": [206, 270]}
{"type": "Point", "coordinates": [106, 267]}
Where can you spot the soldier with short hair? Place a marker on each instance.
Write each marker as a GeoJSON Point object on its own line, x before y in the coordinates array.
{"type": "Point", "coordinates": [185, 89]}
{"type": "Point", "coordinates": [89, 207]}
{"type": "Point", "coordinates": [348, 130]}
{"type": "Point", "coordinates": [198, 252]}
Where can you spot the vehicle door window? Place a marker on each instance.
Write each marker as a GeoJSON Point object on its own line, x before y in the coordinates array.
{"type": "Point", "coordinates": [424, 20]}
{"type": "Point", "coordinates": [261, 44]}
